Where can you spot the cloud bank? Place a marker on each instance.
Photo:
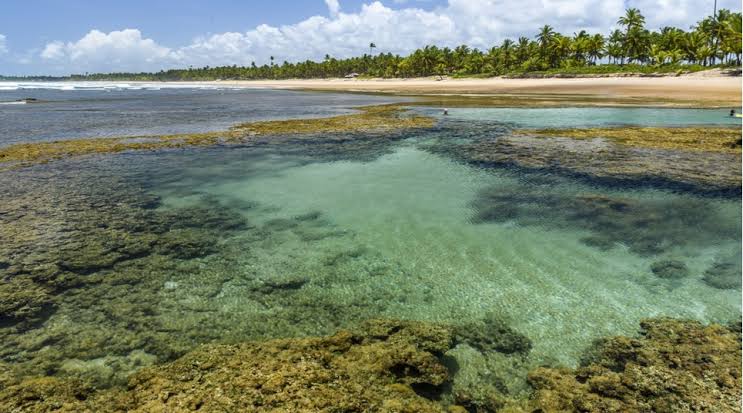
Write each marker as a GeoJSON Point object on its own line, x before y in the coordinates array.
{"type": "Point", "coordinates": [478, 23]}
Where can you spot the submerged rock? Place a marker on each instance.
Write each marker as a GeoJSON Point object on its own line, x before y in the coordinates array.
{"type": "Point", "coordinates": [646, 227]}
{"type": "Point", "coordinates": [724, 275]}
{"type": "Point", "coordinates": [186, 243]}
{"type": "Point", "coordinates": [670, 269]}
{"type": "Point", "coordinates": [493, 334]}
{"type": "Point", "coordinates": [282, 282]}
{"type": "Point", "coordinates": [23, 301]}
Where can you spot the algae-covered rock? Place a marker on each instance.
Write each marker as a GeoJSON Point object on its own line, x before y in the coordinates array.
{"type": "Point", "coordinates": [383, 367]}
{"type": "Point", "coordinates": [370, 119]}
{"type": "Point", "coordinates": [673, 366]}
{"type": "Point", "coordinates": [684, 165]}
{"type": "Point", "coordinates": [396, 366]}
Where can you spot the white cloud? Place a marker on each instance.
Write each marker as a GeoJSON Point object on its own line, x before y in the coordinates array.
{"type": "Point", "coordinates": [3, 44]}
{"type": "Point", "coordinates": [478, 23]}
{"type": "Point", "coordinates": [334, 7]}
{"type": "Point", "coordinates": [53, 50]}
{"type": "Point", "coordinates": [679, 13]}
{"type": "Point", "coordinates": [117, 50]}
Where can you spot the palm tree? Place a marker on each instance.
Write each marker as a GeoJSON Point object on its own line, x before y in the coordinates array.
{"type": "Point", "coordinates": [632, 18]}
{"type": "Point", "coordinates": [507, 53]}
{"type": "Point", "coordinates": [563, 47]}
{"type": "Point", "coordinates": [615, 46]}
{"type": "Point", "coordinates": [658, 56]}
{"type": "Point", "coordinates": [522, 50]}
{"type": "Point", "coordinates": [693, 45]}
{"type": "Point", "coordinates": [580, 45]}
{"type": "Point", "coordinates": [637, 44]}
{"type": "Point", "coordinates": [596, 48]}
{"type": "Point", "coordinates": [733, 37]}
{"type": "Point", "coordinates": [634, 22]}
{"type": "Point", "coordinates": [546, 36]}
{"type": "Point", "coordinates": [545, 39]}
{"type": "Point", "coordinates": [371, 47]}
{"type": "Point", "coordinates": [460, 55]}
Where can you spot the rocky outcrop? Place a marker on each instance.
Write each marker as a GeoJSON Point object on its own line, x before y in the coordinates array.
{"type": "Point", "coordinates": [399, 366]}
{"type": "Point", "coordinates": [387, 365]}
{"type": "Point", "coordinates": [672, 366]}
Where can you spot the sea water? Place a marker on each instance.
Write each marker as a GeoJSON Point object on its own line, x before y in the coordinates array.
{"type": "Point", "coordinates": [391, 230]}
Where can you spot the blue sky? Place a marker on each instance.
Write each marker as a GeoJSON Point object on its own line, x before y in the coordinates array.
{"type": "Point", "coordinates": [32, 23]}
{"type": "Point", "coordinates": [59, 37]}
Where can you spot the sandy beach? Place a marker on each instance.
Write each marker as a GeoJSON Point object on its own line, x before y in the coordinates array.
{"type": "Point", "coordinates": [705, 89]}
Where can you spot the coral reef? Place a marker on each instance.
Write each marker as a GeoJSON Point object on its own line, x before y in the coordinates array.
{"type": "Point", "coordinates": [375, 119]}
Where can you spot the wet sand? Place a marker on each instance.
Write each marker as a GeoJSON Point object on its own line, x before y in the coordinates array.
{"type": "Point", "coordinates": [696, 90]}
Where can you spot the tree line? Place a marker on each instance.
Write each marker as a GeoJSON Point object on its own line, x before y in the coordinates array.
{"type": "Point", "coordinates": [715, 40]}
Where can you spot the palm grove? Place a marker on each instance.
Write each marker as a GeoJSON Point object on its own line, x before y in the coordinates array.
{"type": "Point", "coordinates": [715, 40]}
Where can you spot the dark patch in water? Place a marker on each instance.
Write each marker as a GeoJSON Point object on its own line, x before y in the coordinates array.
{"type": "Point", "coordinates": [646, 227]}
{"type": "Point", "coordinates": [493, 334]}
{"type": "Point", "coordinates": [724, 275]}
{"type": "Point", "coordinates": [670, 269]}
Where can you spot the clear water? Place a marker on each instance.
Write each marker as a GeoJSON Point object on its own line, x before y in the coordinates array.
{"type": "Point", "coordinates": [412, 211]}
{"type": "Point", "coordinates": [380, 229]}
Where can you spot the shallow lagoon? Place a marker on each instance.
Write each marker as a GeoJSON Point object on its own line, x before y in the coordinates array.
{"type": "Point", "coordinates": [385, 229]}
{"type": "Point", "coordinates": [413, 211]}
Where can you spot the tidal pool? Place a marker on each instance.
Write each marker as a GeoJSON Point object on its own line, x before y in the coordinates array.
{"type": "Point", "coordinates": [175, 248]}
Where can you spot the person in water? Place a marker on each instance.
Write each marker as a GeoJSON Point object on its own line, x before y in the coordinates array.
{"type": "Point", "coordinates": [732, 112]}
{"type": "Point", "coordinates": [446, 112]}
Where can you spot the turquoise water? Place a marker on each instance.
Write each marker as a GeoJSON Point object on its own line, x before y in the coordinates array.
{"type": "Point", "coordinates": [336, 234]}
{"type": "Point", "coordinates": [409, 214]}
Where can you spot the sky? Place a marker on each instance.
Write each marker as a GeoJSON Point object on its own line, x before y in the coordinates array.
{"type": "Point", "coordinates": [58, 37]}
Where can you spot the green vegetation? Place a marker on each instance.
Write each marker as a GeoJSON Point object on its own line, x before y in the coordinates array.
{"type": "Point", "coordinates": [714, 41]}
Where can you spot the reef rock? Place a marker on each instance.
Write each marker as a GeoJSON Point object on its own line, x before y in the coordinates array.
{"type": "Point", "coordinates": [391, 366]}
{"type": "Point", "coordinates": [674, 366]}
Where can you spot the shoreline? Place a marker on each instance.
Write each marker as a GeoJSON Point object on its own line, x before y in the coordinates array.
{"type": "Point", "coordinates": [708, 89]}
{"type": "Point", "coordinates": [689, 91]}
